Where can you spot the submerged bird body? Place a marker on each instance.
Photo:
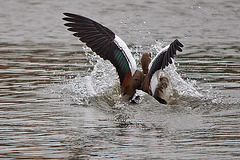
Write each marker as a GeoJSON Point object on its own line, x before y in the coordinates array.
{"type": "Point", "coordinates": [111, 47]}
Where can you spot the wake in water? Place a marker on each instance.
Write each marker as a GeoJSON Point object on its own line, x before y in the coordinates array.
{"type": "Point", "coordinates": [102, 84]}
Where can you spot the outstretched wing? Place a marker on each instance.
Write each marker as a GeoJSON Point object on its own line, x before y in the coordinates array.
{"type": "Point", "coordinates": [162, 60]}
{"type": "Point", "coordinates": [105, 43]}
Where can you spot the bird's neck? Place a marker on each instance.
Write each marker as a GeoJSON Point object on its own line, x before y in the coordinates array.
{"type": "Point", "coordinates": [145, 61]}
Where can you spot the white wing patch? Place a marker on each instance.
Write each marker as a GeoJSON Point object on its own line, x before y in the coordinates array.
{"type": "Point", "coordinates": [155, 78]}
{"type": "Point", "coordinates": [154, 82]}
{"type": "Point", "coordinates": [127, 53]}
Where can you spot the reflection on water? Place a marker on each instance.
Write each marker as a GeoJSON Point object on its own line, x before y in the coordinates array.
{"type": "Point", "coordinates": [55, 104]}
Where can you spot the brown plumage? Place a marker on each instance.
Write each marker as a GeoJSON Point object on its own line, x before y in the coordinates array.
{"type": "Point", "coordinates": [134, 84]}
{"type": "Point", "coordinates": [145, 61]}
{"type": "Point", "coordinates": [161, 94]}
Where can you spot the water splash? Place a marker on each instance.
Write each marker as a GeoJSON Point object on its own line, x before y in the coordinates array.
{"type": "Point", "coordinates": [179, 86]}
{"type": "Point", "coordinates": [103, 83]}
{"type": "Point", "coordinates": [187, 90]}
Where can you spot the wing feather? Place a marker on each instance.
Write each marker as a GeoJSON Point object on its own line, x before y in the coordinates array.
{"type": "Point", "coordinates": [104, 42]}
{"type": "Point", "coordinates": [162, 60]}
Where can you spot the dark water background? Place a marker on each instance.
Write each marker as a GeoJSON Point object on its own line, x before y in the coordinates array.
{"type": "Point", "coordinates": [45, 113]}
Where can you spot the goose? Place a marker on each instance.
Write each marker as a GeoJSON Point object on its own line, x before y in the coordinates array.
{"type": "Point", "coordinates": [109, 46]}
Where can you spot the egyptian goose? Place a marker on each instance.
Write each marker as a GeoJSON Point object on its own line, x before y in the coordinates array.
{"type": "Point", "coordinates": [111, 47]}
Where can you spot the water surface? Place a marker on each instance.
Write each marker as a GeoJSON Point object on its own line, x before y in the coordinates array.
{"type": "Point", "coordinates": [59, 101]}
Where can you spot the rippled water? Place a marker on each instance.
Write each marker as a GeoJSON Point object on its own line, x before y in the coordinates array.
{"type": "Point", "coordinates": [59, 101]}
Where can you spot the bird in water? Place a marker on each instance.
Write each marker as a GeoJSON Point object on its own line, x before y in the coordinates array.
{"type": "Point", "coordinates": [110, 47]}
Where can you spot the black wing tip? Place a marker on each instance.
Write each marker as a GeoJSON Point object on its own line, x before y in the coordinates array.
{"type": "Point", "coordinates": [72, 17]}
{"type": "Point", "coordinates": [166, 59]}
{"type": "Point", "coordinates": [66, 13]}
{"type": "Point", "coordinates": [67, 24]}
{"type": "Point", "coordinates": [68, 19]}
{"type": "Point", "coordinates": [177, 42]}
{"type": "Point", "coordinates": [176, 46]}
{"type": "Point", "coordinates": [69, 14]}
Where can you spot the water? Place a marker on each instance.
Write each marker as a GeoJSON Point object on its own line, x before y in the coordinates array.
{"type": "Point", "coordinates": [57, 101]}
